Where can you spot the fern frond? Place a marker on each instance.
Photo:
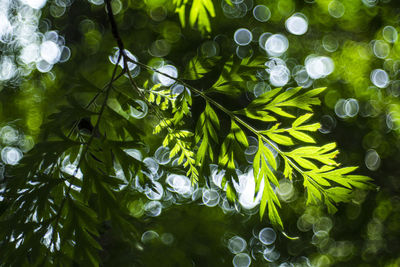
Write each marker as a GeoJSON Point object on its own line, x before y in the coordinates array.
{"type": "Point", "coordinates": [161, 97]}
{"type": "Point", "coordinates": [181, 147]}
{"type": "Point", "coordinates": [312, 163]}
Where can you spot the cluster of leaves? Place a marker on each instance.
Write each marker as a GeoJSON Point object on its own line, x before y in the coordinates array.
{"type": "Point", "coordinates": [63, 191]}
{"type": "Point", "coordinates": [270, 107]}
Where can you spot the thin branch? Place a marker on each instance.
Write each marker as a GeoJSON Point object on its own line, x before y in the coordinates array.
{"type": "Point", "coordinates": [117, 37]}
{"type": "Point", "coordinates": [225, 110]}
{"type": "Point", "coordinates": [94, 99]}
{"type": "Point", "coordinates": [126, 58]}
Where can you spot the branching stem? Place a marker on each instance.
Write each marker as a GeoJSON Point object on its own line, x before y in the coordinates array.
{"type": "Point", "coordinates": [117, 37]}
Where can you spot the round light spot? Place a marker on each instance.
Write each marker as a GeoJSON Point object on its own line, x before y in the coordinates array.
{"type": "Point", "coordinates": [155, 191]}
{"type": "Point", "coordinates": [379, 78]}
{"type": "Point", "coordinates": [381, 49]}
{"type": "Point", "coordinates": [261, 13]}
{"type": "Point", "coordinates": [149, 236]}
{"type": "Point", "coordinates": [167, 238]}
{"type": "Point", "coordinates": [179, 184]}
{"type": "Point", "coordinates": [336, 9]}
{"type": "Point", "coordinates": [323, 224]}
{"type": "Point", "coordinates": [393, 121]}
{"type": "Point", "coordinates": [29, 53]}
{"type": "Point", "coordinates": [177, 89]}
{"type": "Point", "coordinates": [65, 54]}
{"type": "Point", "coordinates": [131, 65]}
{"type": "Point", "coordinates": [210, 197]}
{"type": "Point", "coordinates": [263, 39]}
{"type": "Point", "coordinates": [50, 52]}
{"type": "Point", "coordinates": [241, 260]}
{"type": "Point", "coordinates": [236, 244]}
{"type": "Point", "coordinates": [279, 76]}
{"type": "Point", "coordinates": [297, 24]}
{"type": "Point", "coordinates": [285, 190]}
{"type": "Point", "coordinates": [71, 169]}
{"type": "Point", "coordinates": [136, 113]}
{"type": "Point", "coordinates": [43, 66]}
{"type": "Point", "coordinates": [395, 88]}
{"type": "Point", "coordinates": [267, 236]}
{"type": "Point", "coordinates": [320, 238]}
{"type": "Point", "coordinates": [244, 51]}
{"type": "Point", "coordinates": [340, 108]}
{"type": "Point", "coordinates": [319, 67]}
{"type": "Point", "coordinates": [253, 146]}
{"type": "Point", "coordinates": [305, 222]}
{"type": "Point", "coordinates": [11, 155]}
{"type": "Point", "coordinates": [276, 45]}
{"type": "Point", "coordinates": [216, 175]}
{"type": "Point", "coordinates": [351, 107]}
{"type": "Point", "coordinates": [330, 43]}
{"type": "Point", "coordinates": [35, 4]}
{"type": "Point", "coordinates": [158, 13]}
{"type": "Point", "coordinates": [7, 68]}
{"type": "Point", "coordinates": [134, 153]}
{"type": "Point", "coordinates": [57, 11]}
{"type": "Point", "coordinates": [247, 191]}
{"type": "Point", "coordinates": [153, 208]}
{"type": "Point", "coordinates": [275, 61]}
{"type": "Point", "coordinates": [151, 164]}
{"type": "Point", "coordinates": [6, 29]}
{"type": "Point", "coordinates": [162, 155]}
{"type": "Point", "coordinates": [242, 36]}
{"type": "Point", "coordinates": [234, 10]}
{"type": "Point", "coordinates": [97, 2]}
{"type": "Point", "coordinates": [372, 160]}
{"type": "Point", "coordinates": [160, 48]}
{"type": "Point", "coordinates": [210, 49]}
{"type": "Point", "coordinates": [168, 75]}
{"type": "Point", "coordinates": [271, 255]}
{"type": "Point", "coordinates": [261, 88]}
{"type": "Point", "coordinates": [9, 135]}
{"type": "Point", "coordinates": [370, 3]}
{"type": "Point", "coordinates": [390, 34]}
{"type": "Point", "coordinates": [300, 75]}
{"type": "Point", "coordinates": [327, 124]}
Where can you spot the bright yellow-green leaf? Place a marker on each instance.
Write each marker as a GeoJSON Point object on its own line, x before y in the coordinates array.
{"type": "Point", "coordinates": [301, 136]}
{"type": "Point", "coordinates": [280, 139]}
{"type": "Point", "coordinates": [200, 13]}
{"type": "Point", "coordinates": [300, 120]}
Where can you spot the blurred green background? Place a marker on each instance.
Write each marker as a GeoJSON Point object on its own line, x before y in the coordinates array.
{"type": "Point", "coordinates": [360, 111]}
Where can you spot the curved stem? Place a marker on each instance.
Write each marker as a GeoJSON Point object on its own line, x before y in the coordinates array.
{"type": "Point", "coordinates": [117, 37]}
{"type": "Point", "coordinates": [226, 111]}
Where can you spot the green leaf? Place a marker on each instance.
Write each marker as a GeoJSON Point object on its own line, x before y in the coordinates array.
{"type": "Point", "coordinates": [200, 13]}
{"type": "Point", "coordinates": [239, 134]}
{"type": "Point", "coordinates": [339, 194]}
{"type": "Point", "coordinates": [280, 139]}
{"type": "Point", "coordinates": [198, 67]}
{"type": "Point", "coordinates": [300, 120]}
{"type": "Point", "coordinates": [270, 198]}
{"type": "Point", "coordinates": [301, 136]}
